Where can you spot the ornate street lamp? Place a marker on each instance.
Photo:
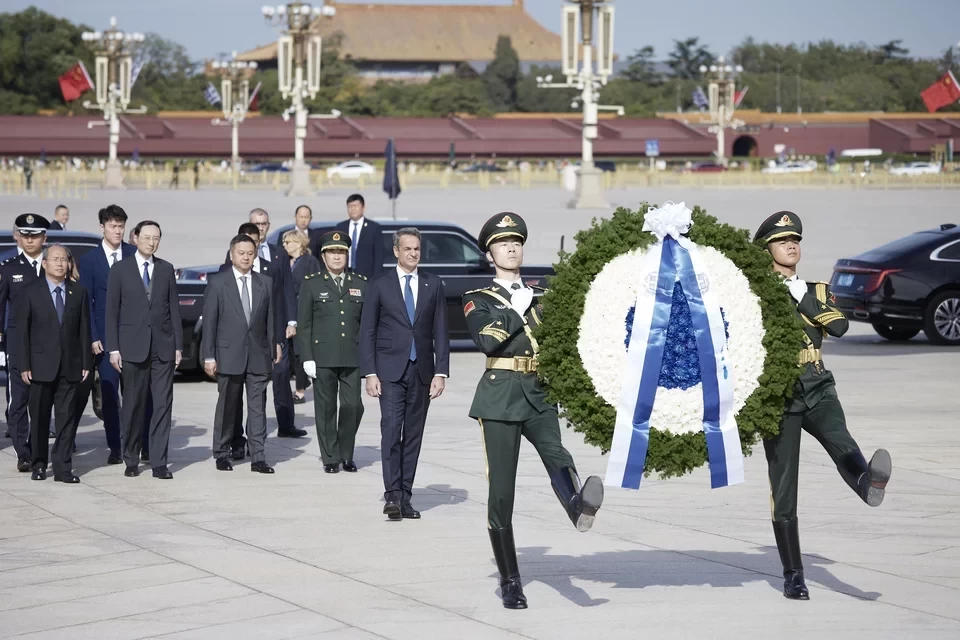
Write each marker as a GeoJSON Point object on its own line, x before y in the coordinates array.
{"type": "Point", "coordinates": [114, 69]}
{"type": "Point", "coordinates": [235, 100]}
{"type": "Point", "coordinates": [298, 64]}
{"type": "Point", "coordinates": [722, 95]}
{"type": "Point", "coordinates": [578, 16]}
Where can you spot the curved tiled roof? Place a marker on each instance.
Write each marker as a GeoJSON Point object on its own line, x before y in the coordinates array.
{"type": "Point", "coordinates": [430, 33]}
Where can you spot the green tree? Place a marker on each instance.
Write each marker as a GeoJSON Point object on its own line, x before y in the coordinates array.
{"type": "Point", "coordinates": [502, 75]}
{"type": "Point", "coordinates": [640, 67]}
{"type": "Point", "coordinates": [687, 57]}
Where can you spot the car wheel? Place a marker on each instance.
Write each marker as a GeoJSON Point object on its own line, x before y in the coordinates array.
{"type": "Point", "coordinates": [941, 322]}
{"type": "Point", "coordinates": [894, 333]}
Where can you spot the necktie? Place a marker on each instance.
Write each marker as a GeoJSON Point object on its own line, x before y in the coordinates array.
{"type": "Point", "coordinates": [411, 308]}
{"type": "Point", "coordinates": [59, 304]}
{"type": "Point", "coordinates": [35, 267]}
{"type": "Point", "coordinates": [263, 252]}
{"type": "Point", "coordinates": [146, 275]}
{"type": "Point", "coordinates": [113, 258]}
{"type": "Point", "coordinates": [353, 249]}
{"type": "Point", "coordinates": [338, 280]}
{"type": "Point", "coordinates": [245, 299]}
{"type": "Point", "coordinates": [516, 286]}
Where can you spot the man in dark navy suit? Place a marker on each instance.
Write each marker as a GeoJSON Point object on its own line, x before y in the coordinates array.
{"type": "Point", "coordinates": [366, 239]}
{"type": "Point", "coordinates": [94, 267]}
{"type": "Point", "coordinates": [405, 357]}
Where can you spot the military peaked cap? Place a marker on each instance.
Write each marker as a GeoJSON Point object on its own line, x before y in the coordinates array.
{"type": "Point", "coordinates": [780, 225]}
{"type": "Point", "coordinates": [334, 240]}
{"type": "Point", "coordinates": [502, 225]}
{"type": "Point", "coordinates": [31, 224]}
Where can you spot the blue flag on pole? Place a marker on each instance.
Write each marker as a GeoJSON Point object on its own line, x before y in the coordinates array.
{"type": "Point", "coordinates": [391, 179]}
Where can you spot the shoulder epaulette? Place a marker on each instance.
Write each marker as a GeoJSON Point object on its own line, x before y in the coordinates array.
{"type": "Point", "coordinates": [360, 275]}
{"type": "Point", "coordinates": [490, 288]}
{"type": "Point", "coordinates": [538, 287]}
{"type": "Point", "coordinates": [311, 275]}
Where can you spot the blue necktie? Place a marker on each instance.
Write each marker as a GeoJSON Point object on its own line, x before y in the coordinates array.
{"type": "Point", "coordinates": [353, 254]}
{"type": "Point", "coordinates": [59, 304]}
{"type": "Point", "coordinates": [408, 299]}
{"type": "Point", "coordinates": [146, 275]}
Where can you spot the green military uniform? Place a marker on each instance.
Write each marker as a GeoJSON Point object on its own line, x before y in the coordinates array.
{"type": "Point", "coordinates": [814, 407]}
{"type": "Point", "coordinates": [509, 402]}
{"type": "Point", "coordinates": [328, 327]}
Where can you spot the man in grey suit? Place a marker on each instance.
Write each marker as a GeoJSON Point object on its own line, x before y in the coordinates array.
{"type": "Point", "coordinates": [239, 348]}
{"type": "Point", "coordinates": [145, 342]}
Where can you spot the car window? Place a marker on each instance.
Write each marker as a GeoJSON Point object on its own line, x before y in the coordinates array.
{"type": "Point", "coordinates": [899, 247]}
{"type": "Point", "coordinates": [951, 252]}
{"type": "Point", "coordinates": [447, 248]}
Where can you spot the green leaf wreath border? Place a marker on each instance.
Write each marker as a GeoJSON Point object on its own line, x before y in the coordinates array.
{"type": "Point", "coordinates": [569, 385]}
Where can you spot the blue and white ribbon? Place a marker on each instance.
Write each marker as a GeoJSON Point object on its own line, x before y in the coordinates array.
{"type": "Point", "coordinates": [674, 259]}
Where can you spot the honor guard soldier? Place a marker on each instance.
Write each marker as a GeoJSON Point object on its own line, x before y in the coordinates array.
{"type": "Point", "coordinates": [15, 274]}
{"type": "Point", "coordinates": [814, 406]}
{"type": "Point", "coordinates": [510, 400]}
{"type": "Point", "coordinates": [328, 324]}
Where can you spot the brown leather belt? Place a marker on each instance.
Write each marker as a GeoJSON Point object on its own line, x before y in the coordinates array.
{"type": "Point", "coordinates": [520, 363]}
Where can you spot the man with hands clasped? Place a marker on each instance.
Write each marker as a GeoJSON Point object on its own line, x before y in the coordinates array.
{"type": "Point", "coordinates": [328, 325]}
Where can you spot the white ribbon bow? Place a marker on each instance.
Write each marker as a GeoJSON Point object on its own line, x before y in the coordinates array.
{"type": "Point", "coordinates": [670, 219]}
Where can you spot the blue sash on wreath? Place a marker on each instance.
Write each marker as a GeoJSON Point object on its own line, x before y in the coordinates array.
{"type": "Point", "coordinates": [674, 262]}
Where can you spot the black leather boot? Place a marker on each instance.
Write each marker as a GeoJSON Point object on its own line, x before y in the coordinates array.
{"type": "Point", "coordinates": [869, 481]}
{"type": "Point", "coordinates": [787, 533]}
{"type": "Point", "coordinates": [505, 553]}
{"type": "Point", "coordinates": [581, 503]}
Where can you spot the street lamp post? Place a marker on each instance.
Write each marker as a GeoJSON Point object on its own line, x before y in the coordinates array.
{"type": "Point", "coordinates": [113, 82]}
{"type": "Point", "coordinates": [722, 98]}
{"type": "Point", "coordinates": [298, 64]}
{"type": "Point", "coordinates": [578, 16]}
{"type": "Point", "coordinates": [235, 99]}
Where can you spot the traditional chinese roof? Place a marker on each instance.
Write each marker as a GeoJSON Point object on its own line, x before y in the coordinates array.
{"type": "Point", "coordinates": [430, 33]}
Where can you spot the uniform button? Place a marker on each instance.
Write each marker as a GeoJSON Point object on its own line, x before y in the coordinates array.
{"type": "Point", "coordinates": [316, 342]}
{"type": "Point", "coordinates": [493, 376]}
{"type": "Point", "coordinates": [526, 353]}
{"type": "Point", "coordinates": [342, 312]}
{"type": "Point", "coordinates": [343, 324]}
{"type": "Point", "coordinates": [343, 335]}
{"type": "Point", "coordinates": [341, 302]}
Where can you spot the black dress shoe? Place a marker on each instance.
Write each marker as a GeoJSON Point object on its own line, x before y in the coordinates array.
{"type": "Point", "coordinates": [794, 588]}
{"type": "Point", "coordinates": [237, 454]}
{"type": "Point", "coordinates": [261, 467]}
{"type": "Point", "coordinates": [66, 478]}
{"type": "Point", "coordinates": [332, 468]}
{"type": "Point", "coordinates": [407, 511]}
{"type": "Point", "coordinates": [299, 399]}
{"type": "Point", "coordinates": [511, 592]}
{"type": "Point", "coordinates": [223, 464]}
{"type": "Point", "coordinates": [292, 433]}
{"type": "Point", "coordinates": [349, 466]}
{"type": "Point", "coordinates": [392, 511]}
{"type": "Point", "coordinates": [163, 473]}
{"type": "Point", "coordinates": [23, 466]}
{"type": "Point", "coordinates": [115, 459]}
{"type": "Point", "coordinates": [131, 472]}
{"type": "Point", "coordinates": [39, 474]}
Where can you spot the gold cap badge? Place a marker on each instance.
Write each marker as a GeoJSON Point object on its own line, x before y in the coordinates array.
{"type": "Point", "coordinates": [785, 221]}
{"type": "Point", "coordinates": [336, 236]}
{"type": "Point", "coordinates": [29, 219]}
{"type": "Point", "coordinates": [507, 221]}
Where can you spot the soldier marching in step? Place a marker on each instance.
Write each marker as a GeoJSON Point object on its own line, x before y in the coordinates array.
{"type": "Point", "coordinates": [814, 406]}
{"type": "Point", "coordinates": [328, 325]}
{"type": "Point", "coordinates": [510, 400]}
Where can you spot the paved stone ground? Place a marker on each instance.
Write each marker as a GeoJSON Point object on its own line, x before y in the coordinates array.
{"type": "Point", "coordinates": [302, 554]}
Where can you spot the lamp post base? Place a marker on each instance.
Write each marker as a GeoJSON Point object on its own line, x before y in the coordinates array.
{"type": "Point", "coordinates": [114, 176]}
{"type": "Point", "coordinates": [300, 181]}
{"type": "Point", "coordinates": [589, 190]}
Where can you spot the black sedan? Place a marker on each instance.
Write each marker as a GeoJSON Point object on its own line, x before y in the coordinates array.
{"type": "Point", "coordinates": [447, 251]}
{"type": "Point", "coordinates": [190, 292]}
{"type": "Point", "coordinates": [906, 286]}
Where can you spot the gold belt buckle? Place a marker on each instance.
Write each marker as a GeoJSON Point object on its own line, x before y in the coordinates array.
{"type": "Point", "coordinates": [522, 364]}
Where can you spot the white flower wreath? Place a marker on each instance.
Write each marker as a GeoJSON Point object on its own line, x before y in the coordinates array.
{"type": "Point", "coordinates": [603, 334]}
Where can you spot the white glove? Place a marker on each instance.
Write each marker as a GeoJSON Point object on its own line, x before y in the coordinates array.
{"type": "Point", "coordinates": [310, 368]}
{"type": "Point", "coordinates": [520, 300]}
{"type": "Point", "coordinates": [3, 359]}
{"type": "Point", "coordinates": [797, 288]}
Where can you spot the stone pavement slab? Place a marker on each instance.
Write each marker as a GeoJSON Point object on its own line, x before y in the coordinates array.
{"type": "Point", "coordinates": [303, 554]}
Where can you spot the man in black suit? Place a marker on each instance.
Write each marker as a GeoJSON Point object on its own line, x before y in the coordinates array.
{"type": "Point", "coordinates": [302, 217]}
{"type": "Point", "coordinates": [145, 343]}
{"type": "Point", "coordinates": [366, 239]}
{"type": "Point", "coordinates": [239, 348]}
{"type": "Point", "coordinates": [61, 216]}
{"type": "Point", "coordinates": [274, 264]}
{"type": "Point", "coordinates": [16, 274]}
{"type": "Point", "coordinates": [54, 356]}
{"type": "Point", "coordinates": [405, 357]}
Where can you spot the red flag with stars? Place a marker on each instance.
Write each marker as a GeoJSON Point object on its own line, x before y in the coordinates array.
{"type": "Point", "coordinates": [74, 82]}
{"type": "Point", "coordinates": [943, 92]}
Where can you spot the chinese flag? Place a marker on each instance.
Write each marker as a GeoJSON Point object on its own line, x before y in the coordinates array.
{"type": "Point", "coordinates": [254, 104]}
{"type": "Point", "coordinates": [941, 93]}
{"type": "Point", "coordinates": [74, 82]}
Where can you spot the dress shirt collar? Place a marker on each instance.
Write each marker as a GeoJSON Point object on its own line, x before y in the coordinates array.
{"type": "Point", "coordinates": [141, 259]}
{"type": "Point", "coordinates": [237, 275]}
{"type": "Point", "coordinates": [506, 284]}
{"type": "Point", "coordinates": [359, 222]}
{"type": "Point", "coordinates": [403, 274]}
{"type": "Point", "coordinates": [108, 251]}
{"type": "Point", "coordinates": [53, 285]}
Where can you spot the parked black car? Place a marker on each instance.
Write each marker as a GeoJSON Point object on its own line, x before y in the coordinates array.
{"type": "Point", "coordinates": [190, 292]}
{"type": "Point", "coordinates": [447, 250]}
{"type": "Point", "coordinates": [906, 286]}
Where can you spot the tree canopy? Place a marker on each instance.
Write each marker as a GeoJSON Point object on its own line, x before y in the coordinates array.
{"type": "Point", "coordinates": [36, 48]}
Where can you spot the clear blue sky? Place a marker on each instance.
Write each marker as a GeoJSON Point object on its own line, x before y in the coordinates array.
{"type": "Point", "coordinates": [208, 27]}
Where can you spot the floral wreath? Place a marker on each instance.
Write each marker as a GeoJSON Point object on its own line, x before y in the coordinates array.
{"type": "Point", "coordinates": [588, 321]}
